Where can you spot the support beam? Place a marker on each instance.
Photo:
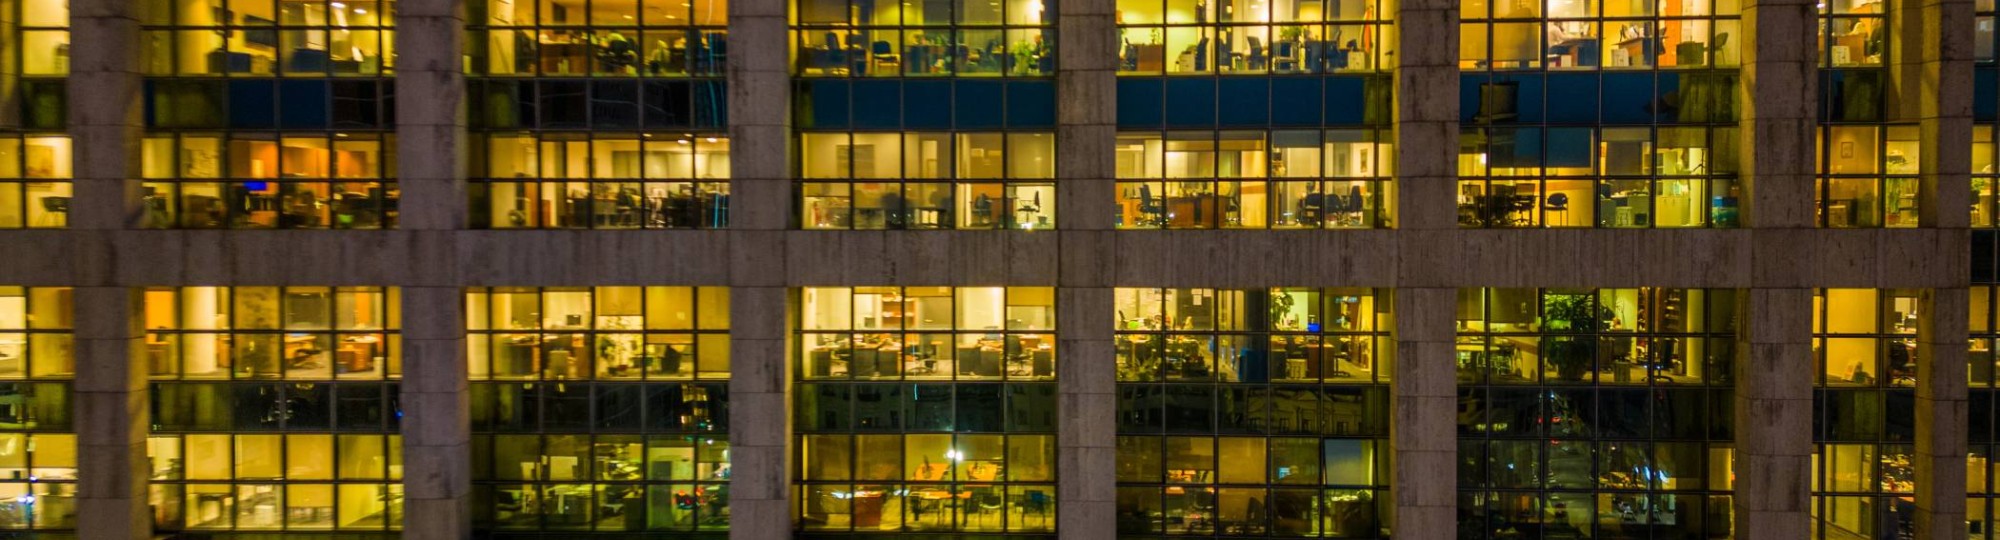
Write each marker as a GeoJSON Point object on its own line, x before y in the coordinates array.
{"type": "Point", "coordinates": [1427, 109]}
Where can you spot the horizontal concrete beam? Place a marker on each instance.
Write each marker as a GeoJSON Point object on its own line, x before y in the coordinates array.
{"type": "Point", "coordinates": [1912, 258]}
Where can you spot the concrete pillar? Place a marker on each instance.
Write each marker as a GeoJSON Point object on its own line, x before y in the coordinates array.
{"type": "Point", "coordinates": [1423, 426]}
{"type": "Point", "coordinates": [1777, 112]}
{"type": "Point", "coordinates": [1774, 366]}
{"type": "Point", "coordinates": [1086, 115]}
{"type": "Point", "coordinates": [760, 117]}
{"type": "Point", "coordinates": [430, 126]}
{"type": "Point", "coordinates": [1773, 413]}
{"type": "Point", "coordinates": [1932, 84]}
{"type": "Point", "coordinates": [760, 420]}
{"type": "Point", "coordinates": [1941, 414]}
{"type": "Point", "coordinates": [1426, 114]}
{"type": "Point", "coordinates": [1086, 393]}
{"type": "Point", "coordinates": [105, 125]}
{"type": "Point", "coordinates": [112, 415]}
{"type": "Point", "coordinates": [760, 381]}
{"type": "Point", "coordinates": [437, 432]}
{"type": "Point", "coordinates": [1086, 202]}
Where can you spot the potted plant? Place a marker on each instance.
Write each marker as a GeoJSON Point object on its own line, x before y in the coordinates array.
{"type": "Point", "coordinates": [1571, 314]}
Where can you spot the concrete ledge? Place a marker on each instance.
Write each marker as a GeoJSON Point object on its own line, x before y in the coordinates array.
{"type": "Point", "coordinates": [1907, 258]}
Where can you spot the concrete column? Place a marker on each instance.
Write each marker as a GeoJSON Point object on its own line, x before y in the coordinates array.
{"type": "Point", "coordinates": [1773, 416]}
{"type": "Point", "coordinates": [104, 114]}
{"type": "Point", "coordinates": [430, 126]}
{"type": "Point", "coordinates": [760, 382]}
{"type": "Point", "coordinates": [437, 430]}
{"type": "Point", "coordinates": [1426, 114]}
{"type": "Point", "coordinates": [1778, 100]}
{"type": "Point", "coordinates": [1423, 427]}
{"type": "Point", "coordinates": [1941, 414]}
{"type": "Point", "coordinates": [760, 117]}
{"type": "Point", "coordinates": [1942, 74]}
{"type": "Point", "coordinates": [1774, 367]}
{"type": "Point", "coordinates": [1086, 114]}
{"type": "Point", "coordinates": [1086, 393]}
{"type": "Point", "coordinates": [760, 420]}
{"type": "Point", "coordinates": [112, 415]}
{"type": "Point", "coordinates": [1086, 203]}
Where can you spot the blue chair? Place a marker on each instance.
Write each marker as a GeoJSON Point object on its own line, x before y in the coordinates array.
{"type": "Point", "coordinates": [1151, 211]}
{"type": "Point", "coordinates": [1281, 57]}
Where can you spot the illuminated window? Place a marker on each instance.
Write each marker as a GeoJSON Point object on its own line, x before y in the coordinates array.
{"type": "Point", "coordinates": [37, 440]}
{"type": "Point", "coordinates": [1981, 402]}
{"type": "Point", "coordinates": [927, 180]}
{"type": "Point", "coordinates": [34, 181]}
{"type": "Point", "coordinates": [1581, 34]}
{"type": "Point", "coordinates": [250, 180]}
{"type": "Point", "coordinates": [604, 181]}
{"type": "Point", "coordinates": [1864, 341]}
{"type": "Point", "coordinates": [1260, 412]}
{"type": "Point", "coordinates": [600, 408]}
{"type": "Point", "coordinates": [306, 38]}
{"type": "Point", "coordinates": [1254, 179]}
{"type": "Point", "coordinates": [1853, 32]}
{"type": "Point", "coordinates": [851, 38]}
{"type": "Point", "coordinates": [1868, 175]}
{"type": "Point", "coordinates": [603, 38]}
{"type": "Point", "coordinates": [1984, 177]}
{"type": "Point", "coordinates": [274, 408]}
{"type": "Point", "coordinates": [1604, 412]}
{"type": "Point", "coordinates": [1253, 36]}
{"type": "Point", "coordinates": [903, 422]}
{"type": "Point", "coordinates": [1630, 177]}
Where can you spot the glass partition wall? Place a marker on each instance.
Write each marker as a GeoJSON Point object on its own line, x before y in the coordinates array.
{"type": "Point", "coordinates": [926, 409]}
{"type": "Point", "coordinates": [1253, 413]}
{"type": "Point", "coordinates": [1864, 476]}
{"type": "Point", "coordinates": [1595, 412]}
{"type": "Point", "coordinates": [600, 409]}
{"type": "Point", "coordinates": [274, 408]}
{"type": "Point", "coordinates": [37, 436]}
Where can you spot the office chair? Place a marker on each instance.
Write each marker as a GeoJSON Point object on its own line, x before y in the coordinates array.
{"type": "Point", "coordinates": [1201, 55]}
{"type": "Point", "coordinates": [1257, 62]}
{"type": "Point", "coordinates": [1131, 56]}
{"type": "Point", "coordinates": [881, 53]}
{"type": "Point", "coordinates": [1152, 213]}
{"type": "Point", "coordinates": [1557, 202]}
{"type": "Point", "coordinates": [55, 211]}
{"type": "Point", "coordinates": [1281, 56]}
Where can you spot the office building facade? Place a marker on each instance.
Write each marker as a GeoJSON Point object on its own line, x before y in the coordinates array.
{"type": "Point", "coordinates": [1080, 269]}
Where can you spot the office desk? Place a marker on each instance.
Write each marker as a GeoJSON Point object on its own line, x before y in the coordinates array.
{"type": "Point", "coordinates": [565, 58]}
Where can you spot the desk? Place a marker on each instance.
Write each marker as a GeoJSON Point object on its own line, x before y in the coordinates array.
{"type": "Point", "coordinates": [565, 58]}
